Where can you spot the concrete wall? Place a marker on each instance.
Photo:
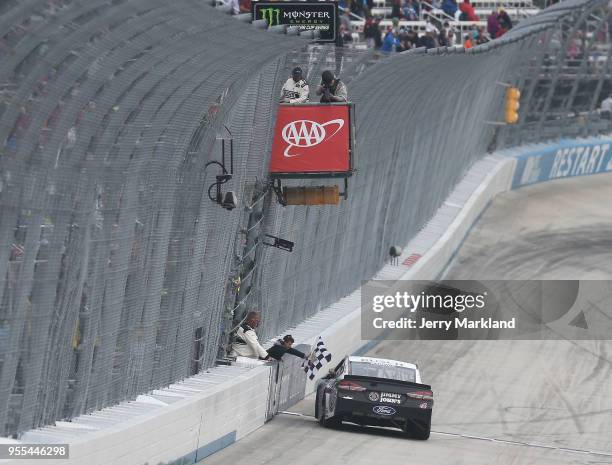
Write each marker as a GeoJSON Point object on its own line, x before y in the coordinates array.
{"type": "Point", "coordinates": [202, 421]}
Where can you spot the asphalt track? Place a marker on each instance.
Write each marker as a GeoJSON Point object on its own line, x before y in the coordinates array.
{"type": "Point", "coordinates": [497, 402]}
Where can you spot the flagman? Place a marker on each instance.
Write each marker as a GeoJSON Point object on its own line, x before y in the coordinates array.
{"type": "Point", "coordinates": [282, 347]}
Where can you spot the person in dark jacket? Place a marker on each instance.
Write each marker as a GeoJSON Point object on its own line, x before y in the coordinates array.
{"type": "Point", "coordinates": [331, 88]}
{"type": "Point", "coordinates": [370, 31]}
{"type": "Point", "coordinates": [282, 347]}
{"type": "Point", "coordinates": [504, 20]}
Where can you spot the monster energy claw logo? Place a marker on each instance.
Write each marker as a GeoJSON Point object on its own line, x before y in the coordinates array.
{"type": "Point", "coordinates": [269, 14]}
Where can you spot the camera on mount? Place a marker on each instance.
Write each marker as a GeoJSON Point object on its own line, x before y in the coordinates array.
{"type": "Point", "coordinates": [230, 201]}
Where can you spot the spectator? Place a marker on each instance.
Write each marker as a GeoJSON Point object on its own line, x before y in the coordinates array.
{"type": "Point", "coordinates": [246, 343]}
{"type": "Point", "coordinates": [409, 11]}
{"type": "Point", "coordinates": [449, 7]}
{"type": "Point", "coordinates": [443, 39]}
{"type": "Point", "coordinates": [427, 40]}
{"type": "Point", "coordinates": [467, 42]}
{"type": "Point", "coordinates": [344, 36]}
{"type": "Point", "coordinates": [504, 20]}
{"type": "Point", "coordinates": [413, 37]}
{"type": "Point", "coordinates": [345, 20]}
{"type": "Point", "coordinates": [396, 6]}
{"type": "Point", "coordinates": [357, 7]}
{"type": "Point", "coordinates": [282, 347]}
{"type": "Point", "coordinates": [390, 42]}
{"type": "Point", "coordinates": [606, 105]}
{"type": "Point", "coordinates": [493, 24]}
{"type": "Point", "coordinates": [371, 33]}
{"type": "Point", "coordinates": [451, 34]}
{"type": "Point", "coordinates": [431, 28]}
{"type": "Point", "coordinates": [467, 12]}
{"type": "Point", "coordinates": [404, 40]}
{"type": "Point", "coordinates": [331, 89]}
{"type": "Point", "coordinates": [481, 37]}
{"type": "Point", "coordinates": [296, 88]}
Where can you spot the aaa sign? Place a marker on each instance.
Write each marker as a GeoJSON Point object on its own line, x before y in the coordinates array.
{"type": "Point", "coordinates": [312, 140]}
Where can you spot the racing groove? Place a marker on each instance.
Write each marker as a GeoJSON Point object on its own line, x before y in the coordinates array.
{"type": "Point", "coordinates": [497, 402]}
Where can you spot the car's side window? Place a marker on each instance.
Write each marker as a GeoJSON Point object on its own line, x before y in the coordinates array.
{"type": "Point", "coordinates": [339, 368]}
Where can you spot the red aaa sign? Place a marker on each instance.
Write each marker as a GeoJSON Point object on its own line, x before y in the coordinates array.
{"type": "Point", "coordinates": [311, 139]}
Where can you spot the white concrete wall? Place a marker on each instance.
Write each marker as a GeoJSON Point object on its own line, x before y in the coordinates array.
{"type": "Point", "coordinates": [227, 410]}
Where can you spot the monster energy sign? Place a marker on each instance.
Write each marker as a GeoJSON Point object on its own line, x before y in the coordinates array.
{"type": "Point", "coordinates": [321, 16]}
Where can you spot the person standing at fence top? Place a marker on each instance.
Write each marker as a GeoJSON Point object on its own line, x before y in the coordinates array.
{"type": "Point", "coordinates": [282, 347]}
{"type": "Point", "coordinates": [296, 88]}
{"type": "Point", "coordinates": [246, 343]}
{"type": "Point", "coordinates": [331, 89]}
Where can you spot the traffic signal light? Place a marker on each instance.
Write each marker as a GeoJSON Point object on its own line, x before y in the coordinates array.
{"type": "Point", "coordinates": [513, 96]}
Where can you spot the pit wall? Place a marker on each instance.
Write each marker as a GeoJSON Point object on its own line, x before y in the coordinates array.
{"type": "Point", "coordinates": [216, 408]}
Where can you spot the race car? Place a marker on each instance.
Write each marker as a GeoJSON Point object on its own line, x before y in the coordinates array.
{"type": "Point", "coordinates": [377, 392]}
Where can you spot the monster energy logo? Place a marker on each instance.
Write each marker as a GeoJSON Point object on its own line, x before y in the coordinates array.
{"type": "Point", "coordinates": [269, 14]}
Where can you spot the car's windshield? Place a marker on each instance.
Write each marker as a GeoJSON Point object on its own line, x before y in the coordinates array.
{"type": "Point", "coordinates": [376, 370]}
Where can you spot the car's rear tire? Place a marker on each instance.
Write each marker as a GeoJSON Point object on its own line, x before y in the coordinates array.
{"type": "Point", "coordinates": [417, 430]}
{"type": "Point", "coordinates": [332, 422]}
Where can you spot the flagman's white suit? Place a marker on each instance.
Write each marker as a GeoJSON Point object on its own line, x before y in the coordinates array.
{"type": "Point", "coordinates": [246, 344]}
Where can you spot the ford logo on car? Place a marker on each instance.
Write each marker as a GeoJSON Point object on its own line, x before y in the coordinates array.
{"type": "Point", "coordinates": [383, 410]}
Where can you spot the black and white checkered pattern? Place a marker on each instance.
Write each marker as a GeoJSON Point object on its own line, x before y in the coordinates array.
{"type": "Point", "coordinates": [318, 357]}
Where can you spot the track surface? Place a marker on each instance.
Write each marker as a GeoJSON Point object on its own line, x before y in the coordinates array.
{"type": "Point", "coordinates": [497, 402]}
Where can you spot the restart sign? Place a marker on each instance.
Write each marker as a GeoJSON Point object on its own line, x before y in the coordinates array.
{"type": "Point", "coordinates": [321, 16]}
{"type": "Point", "coordinates": [312, 140]}
{"type": "Point", "coordinates": [563, 160]}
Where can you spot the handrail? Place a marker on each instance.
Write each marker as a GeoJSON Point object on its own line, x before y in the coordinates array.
{"type": "Point", "coordinates": [350, 13]}
{"type": "Point", "coordinates": [444, 13]}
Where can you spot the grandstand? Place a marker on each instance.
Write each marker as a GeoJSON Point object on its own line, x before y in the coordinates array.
{"type": "Point", "coordinates": [429, 13]}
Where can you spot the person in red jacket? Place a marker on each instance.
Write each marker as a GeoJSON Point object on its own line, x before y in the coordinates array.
{"type": "Point", "coordinates": [467, 10]}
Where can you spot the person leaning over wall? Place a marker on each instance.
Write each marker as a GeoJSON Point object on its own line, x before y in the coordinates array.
{"type": "Point", "coordinates": [283, 346]}
{"type": "Point", "coordinates": [246, 343]}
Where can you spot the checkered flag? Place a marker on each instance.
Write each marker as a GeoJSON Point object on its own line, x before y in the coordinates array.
{"type": "Point", "coordinates": [317, 358]}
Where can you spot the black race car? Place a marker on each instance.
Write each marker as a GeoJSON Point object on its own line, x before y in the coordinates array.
{"type": "Point", "coordinates": [377, 392]}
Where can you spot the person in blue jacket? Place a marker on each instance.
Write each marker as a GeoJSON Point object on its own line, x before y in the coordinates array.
{"type": "Point", "coordinates": [390, 42]}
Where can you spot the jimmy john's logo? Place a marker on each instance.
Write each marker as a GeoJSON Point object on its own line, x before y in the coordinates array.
{"type": "Point", "coordinates": [390, 398]}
